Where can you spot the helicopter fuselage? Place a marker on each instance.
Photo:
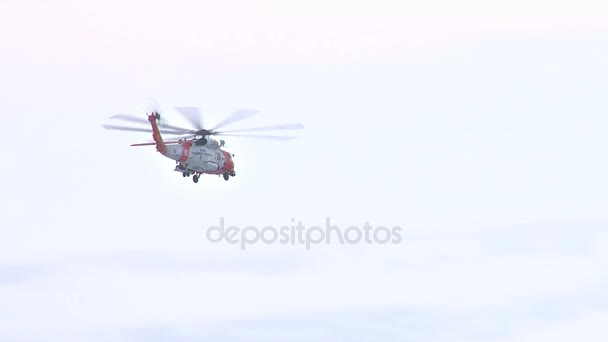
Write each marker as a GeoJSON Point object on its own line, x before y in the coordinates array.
{"type": "Point", "coordinates": [192, 156]}
{"type": "Point", "coordinates": [208, 159]}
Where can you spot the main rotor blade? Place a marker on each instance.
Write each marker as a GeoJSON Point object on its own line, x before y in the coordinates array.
{"type": "Point", "coordinates": [129, 118]}
{"type": "Point", "coordinates": [128, 129]}
{"type": "Point", "coordinates": [268, 128]}
{"type": "Point", "coordinates": [269, 137]}
{"type": "Point", "coordinates": [234, 117]}
{"type": "Point", "coordinates": [185, 137]}
{"type": "Point", "coordinates": [162, 125]}
{"type": "Point", "coordinates": [137, 129]}
{"type": "Point", "coordinates": [193, 115]}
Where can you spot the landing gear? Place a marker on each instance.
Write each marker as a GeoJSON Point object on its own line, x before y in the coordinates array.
{"type": "Point", "coordinates": [195, 178]}
{"type": "Point", "coordinates": [185, 174]}
{"type": "Point", "coordinates": [226, 176]}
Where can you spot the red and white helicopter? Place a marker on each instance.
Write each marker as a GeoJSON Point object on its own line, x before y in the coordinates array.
{"type": "Point", "coordinates": [195, 153]}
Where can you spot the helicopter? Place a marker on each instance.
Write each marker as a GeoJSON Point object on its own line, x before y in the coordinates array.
{"type": "Point", "coordinates": [195, 152]}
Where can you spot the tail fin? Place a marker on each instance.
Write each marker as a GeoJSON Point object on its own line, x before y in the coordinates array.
{"type": "Point", "coordinates": [158, 139]}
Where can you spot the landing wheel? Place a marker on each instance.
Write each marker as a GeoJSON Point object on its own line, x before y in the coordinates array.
{"type": "Point", "coordinates": [184, 174]}
{"type": "Point", "coordinates": [226, 176]}
{"type": "Point", "coordinates": [195, 178]}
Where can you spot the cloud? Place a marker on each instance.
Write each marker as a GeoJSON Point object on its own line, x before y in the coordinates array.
{"type": "Point", "coordinates": [271, 32]}
{"type": "Point", "coordinates": [392, 325]}
{"type": "Point", "coordinates": [338, 291]}
{"type": "Point", "coordinates": [14, 274]}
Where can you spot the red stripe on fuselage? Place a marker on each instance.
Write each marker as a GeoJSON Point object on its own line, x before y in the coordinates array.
{"type": "Point", "coordinates": [185, 151]}
{"type": "Point", "coordinates": [228, 163]}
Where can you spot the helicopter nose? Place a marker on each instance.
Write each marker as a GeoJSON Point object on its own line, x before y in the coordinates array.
{"type": "Point", "coordinates": [228, 164]}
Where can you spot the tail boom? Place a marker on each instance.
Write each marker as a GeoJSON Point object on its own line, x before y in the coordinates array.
{"type": "Point", "coordinates": [158, 139]}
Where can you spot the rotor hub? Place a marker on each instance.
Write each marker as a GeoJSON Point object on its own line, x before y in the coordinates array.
{"type": "Point", "coordinates": [203, 132]}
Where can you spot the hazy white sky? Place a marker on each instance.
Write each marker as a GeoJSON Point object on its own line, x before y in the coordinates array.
{"type": "Point", "coordinates": [478, 127]}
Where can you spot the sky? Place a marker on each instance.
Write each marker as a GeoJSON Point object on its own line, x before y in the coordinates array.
{"type": "Point", "coordinates": [478, 127]}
